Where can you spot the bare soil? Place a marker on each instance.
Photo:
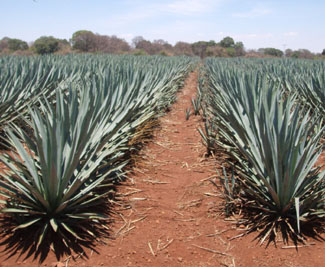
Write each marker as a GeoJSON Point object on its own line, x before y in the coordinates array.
{"type": "Point", "coordinates": [169, 214]}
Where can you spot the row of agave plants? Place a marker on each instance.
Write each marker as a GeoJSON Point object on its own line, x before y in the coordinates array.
{"type": "Point", "coordinates": [268, 116]}
{"type": "Point", "coordinates": [67, 122]}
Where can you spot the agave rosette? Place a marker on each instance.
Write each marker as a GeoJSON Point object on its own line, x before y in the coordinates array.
{"type": "Point", "coordinates": [274, 144]}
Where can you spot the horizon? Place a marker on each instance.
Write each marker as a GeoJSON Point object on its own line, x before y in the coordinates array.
{"type": "Point", "coordinates": [258, 24]}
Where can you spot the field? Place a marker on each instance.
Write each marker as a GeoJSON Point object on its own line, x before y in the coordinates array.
{"type": "Point", "coordinates": [120, 150]}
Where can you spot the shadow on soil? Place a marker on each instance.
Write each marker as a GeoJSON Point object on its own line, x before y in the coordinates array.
{"type": "Point", "coordinates": [271, 229]}
{"type": "Point", "coordinates": [23, 243]}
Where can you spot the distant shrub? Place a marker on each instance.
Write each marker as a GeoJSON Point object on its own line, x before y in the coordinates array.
{"type": "Point", "coordinates": [140, 52]}
{"type": "Point", "coordinates": [16, 44]}
{"type": "Point", "coordinates": [46, 45]}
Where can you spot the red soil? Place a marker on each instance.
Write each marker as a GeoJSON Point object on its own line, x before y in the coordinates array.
{"type": "Point", "coordinates": [169, 216]}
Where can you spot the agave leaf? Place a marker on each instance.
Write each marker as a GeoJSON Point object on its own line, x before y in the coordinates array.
{"type": "Point", "coordinates": [54, 224]}
{"type": "Point", "coordinates": [66, 227]}
{"type": "Point", "coordinates": [297, 213]}
{"type": "Point", "coordinates": [13, 210]}
{"type": "Point", "coordinates": [42, 236]}
{"type": "Point", "coordinates": [27, 224]}
{"type": "Point", "coordinates": [26, 158]}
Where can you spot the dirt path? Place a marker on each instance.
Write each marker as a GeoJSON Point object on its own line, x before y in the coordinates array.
{"type": "Point", "coordinates": [169, 216]}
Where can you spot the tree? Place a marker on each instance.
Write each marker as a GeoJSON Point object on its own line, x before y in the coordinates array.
{"type": "Point", "coordinates": [200, 48]}
{"type": "Point", "coordinates": [301, 53]}
{"type": "Point", "coordinates": [87, 41]}
{"type": "Point", "coordinates": [4, 43]}
{"type": "Point", "coordinates": [323, 53]}
{"type": "Point", "coordinates": [231, 52]}
{"type": "Point", "coordinates": [288, 52]}
{"type": "Point", "coordinates": [46, 45]}
{"type": "Point", "coordinates": [84, 41]}
{"type": "Point", "coordinates": [273, 52]}
{"type": "Point", "coordinates": [295, 54]}
{"type": "Point", "coordinates": [161, 47]}
{"type": "Point", "coordinates": [227, 42]}
{"type": "Point", "coordinates": [64, 46]}
{"type": "Point", "coordinates": [137, 40]}
{"type": "Point", "coordinates": [239, 45]}
{"type": "Point", "coordinates": [305, 53]}
{"type": "Point", "coordinates": [182, 48]}
{"type": "Point", "coordinates": [216, 51]}
{"type": "Point", "coordinates": [239, 48]}
{"type": "Point", "coordinates": [111, 44]}
{"type": "Point", "coordinates": [140, 43]}
{"type": "Point", "coordinates": [16, 44]}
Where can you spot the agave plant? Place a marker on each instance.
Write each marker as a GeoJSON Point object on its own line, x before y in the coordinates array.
{"type": "Point", "coordinates": [312, 90]}
{"type": "Point", "coordinates": [208, 137]}
{"type": "Point", "coordinates": [52, 187]}
{"type": "Point", "coordinates": [230, 192]}
{"type": "Point", "coordinates": [275, 146]}
{"type": "Point", "coordinates": [196, 102]}
{"type": "Point", "coordinates": [278, 172]}
{"type": "Point", "coordinates": [22, 81]}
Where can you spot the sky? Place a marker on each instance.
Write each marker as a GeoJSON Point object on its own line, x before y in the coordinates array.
{"type": "Point", "coordinates": [258, 24]}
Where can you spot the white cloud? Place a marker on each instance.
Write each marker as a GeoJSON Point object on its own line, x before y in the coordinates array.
{"type": "Point", "coordinates": [253, 13]}
{"type": "Point", "coordinates": [121, 22]}
{"type": "Point", "coordinates": [156, 12]}
{"type": "Point", "coordinates": [191, 7]}
{"type": "Point", "coordinates": [177, 7]}
{"type": "Point", "coordinates": [291, 34]}
{"type": "Point", "coordinates": [132, 17]}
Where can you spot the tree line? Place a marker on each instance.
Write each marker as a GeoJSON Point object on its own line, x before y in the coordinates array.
{"type": "Point", "coordinates": [84, 41]}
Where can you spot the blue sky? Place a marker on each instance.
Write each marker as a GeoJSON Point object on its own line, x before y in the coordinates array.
{"type": "Point", "coordinates": [271, 23]}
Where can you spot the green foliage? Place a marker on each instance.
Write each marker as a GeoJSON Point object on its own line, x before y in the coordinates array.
{"type": "Point", "coordinates": [22, 81]}
{"type": "Point", "coordinates": [227, 42]}
{"type": "Point", "coordinates": [231, 52]}
{"type": "Point", "coordinates": [140, 52]}
{"type": "Point", "coordinates": [208, 136]}
{"type": "Point", "coordinates": [239, 47]}
{"type": "Point", "coordinates": [60, 172]}
{"type": "Point", "coordinates": [163, 53]}
{"type": "Point", "coordinates": [16, 44]}
{"type": "Point", "coordinates": [302, 53]}
{"type": "Point", "coordinates": [46, 45]}
{"type": "Point", "coordinates": [310, 88]}
{"type": "Point", "coordinates": [83, 40]}
{"type": "Point", "coordinates": [196, 103]}
{"type": "Point", "coordinates": [273, 52]}
{"type": "Point", "coordinates": [200, 48]}
{"type": "Point", "coordinates": [225, 48]}
{"type": "Point", "coordinates": [56, 189]}
{"type": "Point", "coordinates": [273, 142]}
